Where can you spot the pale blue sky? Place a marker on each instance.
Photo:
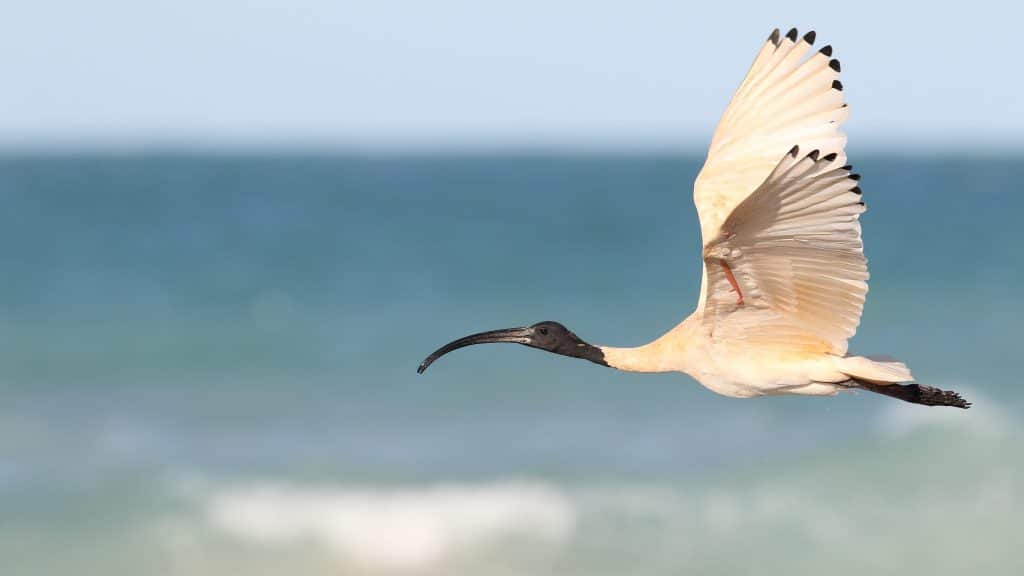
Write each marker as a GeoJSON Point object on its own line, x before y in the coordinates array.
{"type": "Point", "coordinates": [450, 72]}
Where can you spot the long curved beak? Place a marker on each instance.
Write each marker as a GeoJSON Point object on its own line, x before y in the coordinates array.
{"type": "Point", "coordinates": [522, 335]}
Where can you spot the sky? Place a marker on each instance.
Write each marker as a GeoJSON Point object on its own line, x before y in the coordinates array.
{"type": "Point", "coordinates": [443, 73]}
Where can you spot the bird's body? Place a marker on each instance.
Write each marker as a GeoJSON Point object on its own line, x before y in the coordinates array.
{"type": "Point", "coordinates": [784, 274]}
{"type": "Point", "coordinates": [733, 368]}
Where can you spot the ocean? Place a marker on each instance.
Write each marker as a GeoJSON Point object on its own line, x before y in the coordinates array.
{"type": "Point", "coordinates": [208, 366]}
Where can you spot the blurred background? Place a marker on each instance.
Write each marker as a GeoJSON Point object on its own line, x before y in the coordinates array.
{"type": "Point", "coordinates": [231, 231]}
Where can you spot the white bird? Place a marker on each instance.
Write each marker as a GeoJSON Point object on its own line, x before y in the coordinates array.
{"type": "Point", "coordinates": [784, 275]}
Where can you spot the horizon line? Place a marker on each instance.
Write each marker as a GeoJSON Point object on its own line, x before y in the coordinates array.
{"type": "Point", "coordinates": [460, 147]}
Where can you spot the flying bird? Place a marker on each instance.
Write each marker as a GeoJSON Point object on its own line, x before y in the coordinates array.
{"type": "Point", "coordinates": [784, 273]}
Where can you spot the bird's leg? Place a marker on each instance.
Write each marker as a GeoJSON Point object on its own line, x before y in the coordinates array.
{"type": "Point", "coordinates": [732, 281]}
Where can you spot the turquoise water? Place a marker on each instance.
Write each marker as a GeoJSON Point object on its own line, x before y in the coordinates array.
{"type": "Point", "coordinates": [208, 367]}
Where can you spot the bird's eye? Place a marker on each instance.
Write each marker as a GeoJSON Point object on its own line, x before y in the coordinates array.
{"type": "Point", "coordinates": [543, 331]}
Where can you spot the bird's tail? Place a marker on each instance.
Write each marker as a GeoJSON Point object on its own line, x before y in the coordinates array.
{"type": "Point", "coordinates": [880, 369]}
{"type": "Point", "coordinates": [883, 375]}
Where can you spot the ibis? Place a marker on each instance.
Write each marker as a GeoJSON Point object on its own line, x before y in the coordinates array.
{"type": "Point", "coordinates": [784, 274]}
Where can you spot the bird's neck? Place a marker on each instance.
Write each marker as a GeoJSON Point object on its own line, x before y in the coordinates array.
{"type": "Point", "coordinates": [639, 359]}
{"type": "Point", "coordinates": [669, 353]}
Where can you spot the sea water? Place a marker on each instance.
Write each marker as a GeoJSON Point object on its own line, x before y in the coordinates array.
{"type": "Point", "coordinates": [208, 366]}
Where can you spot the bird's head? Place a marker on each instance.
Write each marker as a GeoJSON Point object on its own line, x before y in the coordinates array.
{"type": "Point", "coordinates": [547, 335]}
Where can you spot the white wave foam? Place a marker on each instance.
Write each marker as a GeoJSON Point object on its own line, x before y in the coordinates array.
{"type": "Point", "coordinates": [396, 528]}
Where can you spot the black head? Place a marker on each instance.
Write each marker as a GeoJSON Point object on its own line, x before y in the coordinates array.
{"type": "Point", "coordinates": [550, 336]}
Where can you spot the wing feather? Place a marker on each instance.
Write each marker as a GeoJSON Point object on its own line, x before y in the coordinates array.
{"type": "Point", "coordinates": [794, 249]}
{"type": "Point", "coordinates": [786, 99]}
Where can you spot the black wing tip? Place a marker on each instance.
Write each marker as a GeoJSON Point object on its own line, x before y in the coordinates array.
{"type": "Point", "coordinates": [834, 64]}
{"type": "Point", "coordinates": [810, 36]}
{"type": "Point", "coordinates": [791, 35]}
{"type": "Point", "coordinates": [837, 85]}
{"type": "Point", "coordinates": [794, 151]}
{"type": "Point", "coordinates": [826, 50]}
{"type": "Point", "coordinates": [854, 177]}
{"type": "Point", "coordinates": [814, 155]}
{"type": "Point", "coordinates": [830, 156]}
{"type": "Point", "coordinates": [856, 190]}
{"type": "Point", "coordinates": [774, 37]}
{"type": "Point", "coordinates": [847, 167]}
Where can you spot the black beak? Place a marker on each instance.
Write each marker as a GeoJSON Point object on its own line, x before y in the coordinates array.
{"type": "Point", "coordinates": [522, 335]}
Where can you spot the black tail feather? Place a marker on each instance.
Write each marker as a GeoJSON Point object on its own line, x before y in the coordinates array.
{"type": "Point", "coordinates": [916, 393]}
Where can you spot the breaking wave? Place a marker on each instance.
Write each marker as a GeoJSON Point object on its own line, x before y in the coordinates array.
{"type": "Point", "coordinates": [400, 528]}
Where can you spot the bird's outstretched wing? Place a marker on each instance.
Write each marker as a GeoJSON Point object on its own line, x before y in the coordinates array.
{"type": "Point", "coordinates": [787, 99]}
{"type": "Point", "coordinates": [787, 268]}
{"type": "Point", "coordinates": [783, 260]}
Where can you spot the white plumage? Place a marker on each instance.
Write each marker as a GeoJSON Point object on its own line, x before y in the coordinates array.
{"type": "Point", "coordinates": [794, 249]}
